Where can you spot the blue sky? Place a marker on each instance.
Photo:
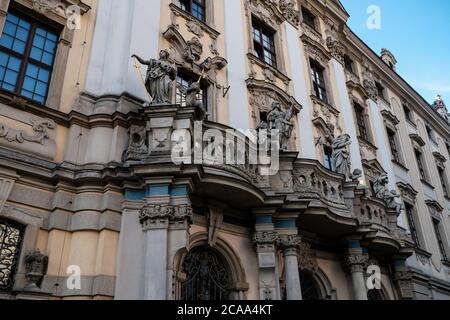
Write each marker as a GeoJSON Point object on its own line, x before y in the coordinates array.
{"type": "Point", "coordinates": [417, 32]}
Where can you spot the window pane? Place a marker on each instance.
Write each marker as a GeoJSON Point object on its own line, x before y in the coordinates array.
{"type": "Point", "coordinates": [36, 54]}
{"type": "Point", "coordinates": [44, 46]}
{"type": "Point", "coordinates": [36, 83]}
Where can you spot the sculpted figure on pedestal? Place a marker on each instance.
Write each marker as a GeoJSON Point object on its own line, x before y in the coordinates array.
{"type": "Point", "coordinates": [341, 155]}
{"type": "Point", "coordinates": [159, 79]}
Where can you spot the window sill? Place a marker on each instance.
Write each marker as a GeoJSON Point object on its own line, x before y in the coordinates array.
{"type": "Point", "coordinates": [399, 164]}
{"type": "Point", "coordinates": [317, 100]}
{"type": "Point", "coordinates": [188, 16]}
{"type": "Point", "coordinates": [15, 101]}
{"type": "Point", "coordinates": [277, 72]}
{"type": "Point", "coordinates": [428, 184]}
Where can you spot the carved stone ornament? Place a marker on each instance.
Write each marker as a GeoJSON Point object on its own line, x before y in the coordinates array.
{"type": "Point", "coordinates": [356, 262]}
{"type": "Point", "coordinates": [370, 86]}
{"type": "Point", "coordinates": [36, 268]}
{"type": "Point", "coordinates": [287, 9]}
{"type": "Point", "coordinates": [193, 50]}
{"type": "Point", "coordinates": [159, 215]}
{"type": "Point", "coordinates": [265, 238]}
{"type": "Point", "coordinates": [307, 258]}
{"type": "Point", "coordinates": [336, 48]}
{"type": "Point", "coordinates": [137, 147]}
{"type": "Point", "coordinates": [195, 28]}
{"type": "Point", "coordinates": [40, 127]}
{"type": "Point", "coordinates": [289, 241]}
{"type": "Point", "coordinates": [63, 8]}
{"type": "Point", "coordinates": [215, 221]}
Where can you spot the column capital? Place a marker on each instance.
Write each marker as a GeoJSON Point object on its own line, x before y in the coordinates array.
{"type": "Point", "coordinates": [356, 262]}
{"type": "Point", "coordinates": [290, 244]}
{"type": "Point", "coordinates": [157, 216]}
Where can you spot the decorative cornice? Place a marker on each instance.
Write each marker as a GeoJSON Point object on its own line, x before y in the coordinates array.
{"type": "Point", "coordinates": [390, 117]}
{"type": "Point", "coordinates": [418, 139]}
{"type": "Point", "coordinates": [407, 191]}
{"type": "Point", "coordinates": [433, 204]}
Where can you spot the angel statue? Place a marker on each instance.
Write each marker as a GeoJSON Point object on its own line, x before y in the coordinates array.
{"type": "Point", "coordinates": [281, 121]}
{"type": "Point", "coordinates": [159, 79]}
{"type": "Point", "coordinates": [341, 155]}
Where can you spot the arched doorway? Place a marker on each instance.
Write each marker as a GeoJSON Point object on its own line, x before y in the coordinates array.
{"type": "Point", "coordinates": [309, 286]}
{"type": "Point", "coordinates": [207, 276]}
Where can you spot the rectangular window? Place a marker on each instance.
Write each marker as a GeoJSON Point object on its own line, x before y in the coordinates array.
{"type": "Point", "coordinates": [27, 54]}
{"type": "Point", "coordinates": [440, 239]}
{"type": "Point", "coordinates": [309, 19]}
{"type": "Point", "coordinates": [408, 114]}
{"type": "Point", "coordinates": [443, 180]}
{"type": "Point", "coordinates": [263, 43]}
{"type": "Point", "coordinates": [420, 165]}
{"type": "Point", "coordinates": [317, 74]}
{"type": "Point", "coordinates": [327, 158]}
{"type": "Point", "coordinates": [195, 7]}
{"type": "Point", "coordinates": [183, 82]}
{"type": "Point", "coordinates": [348, 64]}
{"type": "Point", "coordinates": [412, 225]}
{"type": "Point", "coordinates": [361, 122]}
{"type": "Point", "coordinates": [393, 144]}
{"type": "Point", "coordinates": [431, 134]}
{"type": "Point", "coordinates": [381, 91]}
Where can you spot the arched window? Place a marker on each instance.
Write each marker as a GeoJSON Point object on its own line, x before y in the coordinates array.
{"type": "Point", "coordinates": [310, 290]}
{"type": "Point", "coordinates": [207, 276]}
{"type": "Point", "coordinates": [11, 235]}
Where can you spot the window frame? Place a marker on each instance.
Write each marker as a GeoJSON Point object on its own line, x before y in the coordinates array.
{"type": "Point", "coordinates": [328, 157]}
{"type": "Point", "coordinates": [349, 64]}
{"type": "Point", "coordinates": [361, 123]}
{"type": "Point", "coordinates": [440, 239]}
{"type": "Point", "coordinates": [25, 58]}
{"type": "Point", "coordinates": [311, 19]}
{"type": "Point", "coordinates": [317, 73]}
{"type": "Point", "coordinates": [190, 8]}
{"type": "Point", "coordinates": [258, 45]}
{"type": "Point", "coordinates": [410, 216]}
{"type": "Point", "coordinates": [419, 159]}
{"type": "Point", "coordinates": [443, 180]}
{"type": "Point", "coordinates": [395, 151]}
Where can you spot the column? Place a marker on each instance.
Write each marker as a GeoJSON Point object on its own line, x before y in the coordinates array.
{"type": "Point", "coordinates": [265, 239]}
{"type": "Point", "coordinates": [343, 101]}
{"type": "Point", "coordinates": [235, 31]}
{"type": "Point", "coordinates": [356, 261]}
{"type": "Point", "coordinates": [290, 249]}
{"type": "Point", "coordinates": [135, 25]}
{"type": "Point", "coordinates": [297, 62]}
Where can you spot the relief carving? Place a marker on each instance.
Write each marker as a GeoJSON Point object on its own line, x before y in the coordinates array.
{"type": "Point", "coordinates": [40, 128]}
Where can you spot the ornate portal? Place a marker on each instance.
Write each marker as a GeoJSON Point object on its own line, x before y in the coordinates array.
{"type": "Point", "coordinates": [207, 278]}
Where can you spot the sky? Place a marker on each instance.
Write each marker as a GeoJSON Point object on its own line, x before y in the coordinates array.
{"type": "Point", "coordinates": [417, 32]}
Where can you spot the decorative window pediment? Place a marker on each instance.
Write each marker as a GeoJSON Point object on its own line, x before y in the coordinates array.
{"type": "Point", "coordinates": [274, 12]}
{"type": "Point", "coordinates": [407, 192]}
{"type": "Point", "coordinates": [418, 140]}
{"type": "Point", "coordinates": [440, 159]}
{"type": "Point", "coordinates": [390, 119]}
{"type": "Point", "coordinates": [62, 8]}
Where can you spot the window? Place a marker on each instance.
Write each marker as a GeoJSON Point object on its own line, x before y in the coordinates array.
{"type": "Point", "coordinates": [408, 114]}
{"type": "Point", "coordinates": [309, 19]}
{"type": "Point", "coordinates": [328, 156]}
{"type": "Point", "coordinates": [348, 64]}
{"type": "Point", "coordinates": [439, 238]}
{"type": "Point", "coordinates": [412, 225]}
{"type": "Point", "coordinates": [420, 165]}
{"type": "Point", "coordinates": [317, 73]}
{"type": "Point", "coordinates": [380, 90]}
{"type": "Point", "coordinates": [195, 7]}
{"type": "Point", "coordinates": [431, 134]}
{"type": "Point", "coordinates": [11, 235]}
{"type": "Point", "coordinates": [207, 277]}
{"type": "Point", "coordinates": [183, 82]}
{"type": "Point", "coordinates": [27, 53]}
{"type": "Point", "coordinates": [443, 179]}
{"type": "Point", "coordinates": [361, 122]}
{"type": "Point", "coordinates": [393, 144]}
{"type": "Point", "coordinates": [263, 43]}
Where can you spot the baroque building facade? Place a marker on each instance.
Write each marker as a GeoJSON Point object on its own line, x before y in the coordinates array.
{"type": "Point", "coordinates": [96, 97]}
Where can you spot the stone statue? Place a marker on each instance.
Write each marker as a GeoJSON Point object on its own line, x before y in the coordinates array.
{"type": "Point", "coordinates": [159, 79]}
{"type": "Point", "coordinates": [380, 186]}
{"type": "Point", "coordinates": [192, 99]}
{"type": "Point", "coordinates": [193, 50]}
{"type": "Point", "coordinates": [341, 155]}
{"type": "Point", "coordinates": [36, 267]}
{"type": "Point", "coordinates": [281, 121]}
{"type": "Point", "coordinates": [391, 201]}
